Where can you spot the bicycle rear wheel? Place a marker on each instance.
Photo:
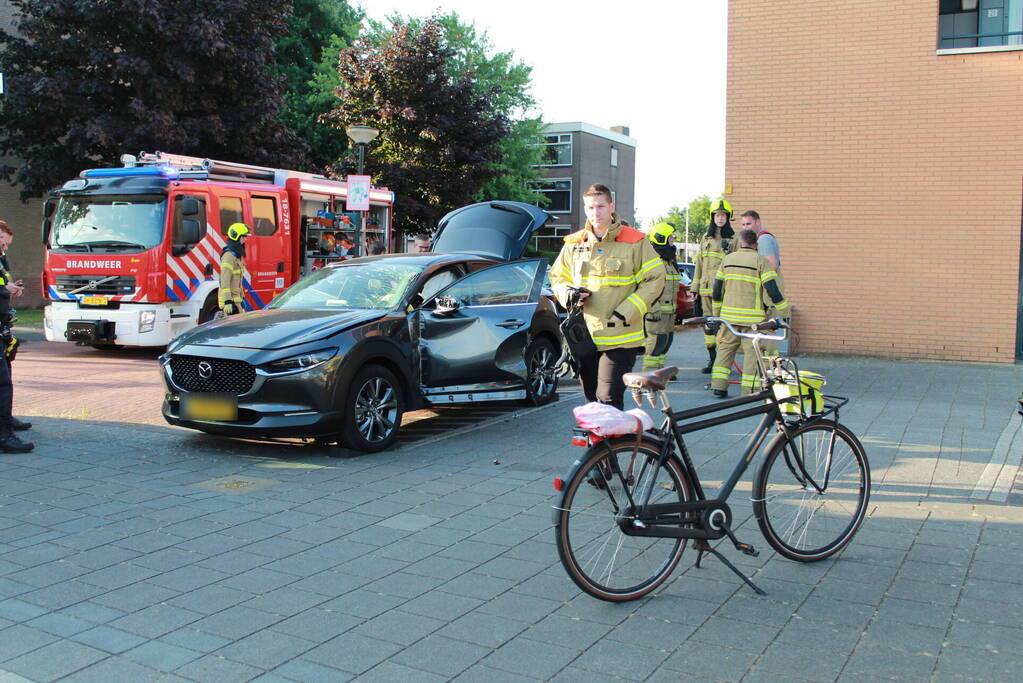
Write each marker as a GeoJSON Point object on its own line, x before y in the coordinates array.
{"type": "Point", "coordinates": [598, 556]}
{"type": "Point", "coordinates": [798, 520]}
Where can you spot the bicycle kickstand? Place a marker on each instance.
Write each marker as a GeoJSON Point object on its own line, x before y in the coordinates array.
{"type": "Point", "coordinates": [702, 546]}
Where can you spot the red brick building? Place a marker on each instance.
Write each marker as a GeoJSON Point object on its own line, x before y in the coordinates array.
{"type": "Point", "coordinates": [889, 164]}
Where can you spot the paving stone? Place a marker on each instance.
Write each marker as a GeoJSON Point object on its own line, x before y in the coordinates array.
{"type": "Point", "coordinates": [886, 662]}
{"type": "Point", "coordinates": [736, 634]}
{"type": "Point", "coordinates": [832, 639]}
{"type": "Point", "coordinates": [19, 639]}
{"type": "Point", "coordinates": [135, 597]}
{"type": "Point", "coordinates": [399, 627]}
{"type": "Point", "coordinates": [710, 661]}
{"type": "Point", "coordinates": [194, 640]}
{"type": "Point", "coordinates": [54, 661]}
{"type": "Point", "coordinates": [317, 625]}
{"type": "Point", "coordinates": [352, 652]}
{"type": "Point", "coordinates": [163, 656]}
{"type": "Point", "coordinates": [520, 607]}
{"type": "Point", "coordinates": [439, 605]}
{"type": "Point", "coordinates": [210, 599]}
{"type": "Point", "coordinates": [802, 663]}
{"type": "Point", "coordinates": [59, 624]}
{"type": "Point", "coordinates": [962, 662]}
{"type": "Point", "coordinates": [311, 672]}
{"type": "Point", "coordinates": [116, 670]}
{"type": "Point", "coordinates": [155, 621]}
{"type": "Point", "coordinates": [387, 672]}
{"type": "Point", "coordinates": [633, 663]}
{"type": "Point", "coordinates": [213, 668]}
{"type": "Point", "coordinates": [439, 655]}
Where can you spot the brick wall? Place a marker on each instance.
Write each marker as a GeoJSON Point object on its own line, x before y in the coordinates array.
{"type": "Point", "coordinates": [890, 175]}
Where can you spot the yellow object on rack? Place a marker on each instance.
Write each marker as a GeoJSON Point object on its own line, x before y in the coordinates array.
{"type": "Point", "coordinates": [808, 388]}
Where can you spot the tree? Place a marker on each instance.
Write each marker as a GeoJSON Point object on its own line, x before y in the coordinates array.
{"type": "Point", "coordinates": [699, 219]}
{"type": "Point", "coordinates": [441, 136]}
{"type": "Point", "coordinates": [88, 80]}
{"type": "Point", "coordinates": [307, 59]}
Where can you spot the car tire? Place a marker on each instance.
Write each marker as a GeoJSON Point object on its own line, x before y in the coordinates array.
{"type": "Point", "coordinates": [541, 384]}
{"type": "Point", "coordinates": [372, 410]}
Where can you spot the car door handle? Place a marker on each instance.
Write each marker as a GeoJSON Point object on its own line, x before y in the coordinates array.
{"type": "Point", "coordinates": [512, 324]}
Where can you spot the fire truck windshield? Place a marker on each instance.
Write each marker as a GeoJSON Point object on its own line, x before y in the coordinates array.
{"type": "Point", "coordinates": [109, 222]}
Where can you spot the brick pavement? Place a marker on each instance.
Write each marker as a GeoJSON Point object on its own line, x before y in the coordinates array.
{"type": "Point", "coordinates": [137, 552]}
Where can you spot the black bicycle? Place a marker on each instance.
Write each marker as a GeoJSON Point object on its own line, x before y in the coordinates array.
{"type": "Point", "coordinates": [629, 506]}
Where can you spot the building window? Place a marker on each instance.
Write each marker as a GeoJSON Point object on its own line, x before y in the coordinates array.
{"type": "Point", "coordinates": [557, 150]}
{"type": "Point", "coordinates": [979, 23]}
{"type": "Point", "coordinates": [614, 157]}
{"type": "Point", "coordinates": [558, 192]}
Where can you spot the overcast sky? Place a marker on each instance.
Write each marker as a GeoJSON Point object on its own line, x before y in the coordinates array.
{"type": "Point", "coordinates": [656, 67]}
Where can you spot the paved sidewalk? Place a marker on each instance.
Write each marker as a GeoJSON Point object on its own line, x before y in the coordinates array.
{"type": "Point", "coordinates": [143, 553]}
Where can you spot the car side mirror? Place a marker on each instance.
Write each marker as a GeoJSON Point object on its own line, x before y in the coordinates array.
{"type": "Point", "coordinates": [47, 226]}
{"type": "Point", "coordinates": [446, 306]}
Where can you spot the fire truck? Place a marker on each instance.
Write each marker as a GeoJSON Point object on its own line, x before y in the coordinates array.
{"type": "Point", "coordinates": [133, 252]}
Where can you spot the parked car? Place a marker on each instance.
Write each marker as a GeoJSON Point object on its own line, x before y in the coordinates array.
{"type": "Point", "coordinates": [685, 301]}
{"type": "Point", "coordinates": [346, 350]}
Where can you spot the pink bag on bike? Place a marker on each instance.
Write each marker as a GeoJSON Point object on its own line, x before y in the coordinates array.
{"type": "Point", "coordinates": [606, 420]}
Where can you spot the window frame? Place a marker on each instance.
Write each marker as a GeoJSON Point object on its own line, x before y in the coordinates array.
{"type": "Point", "coordinates": [1012, 13]}
{"type": "Point", "coordinates": [562, 140]}
{"type": "Point", "coordinates": [535, 188]}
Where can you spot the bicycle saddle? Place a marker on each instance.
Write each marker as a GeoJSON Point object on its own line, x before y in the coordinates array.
{"type": "Point", "coordinates": [655, 380]}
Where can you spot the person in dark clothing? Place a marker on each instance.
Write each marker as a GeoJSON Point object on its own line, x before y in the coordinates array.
{"type": "Point", "coordinates": [9, 442]}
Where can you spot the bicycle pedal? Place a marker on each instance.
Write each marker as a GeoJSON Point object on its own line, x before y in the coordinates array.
{"type": "Point", "coordinates": [747, 549]}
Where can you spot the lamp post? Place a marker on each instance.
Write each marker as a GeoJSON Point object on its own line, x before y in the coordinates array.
{"type": "Point", "coordinates": [361, 136]}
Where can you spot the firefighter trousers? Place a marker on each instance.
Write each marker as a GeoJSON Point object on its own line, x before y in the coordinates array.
{"type": "Point", "coordinates": [707, 304]}
{"type": "Point", "coordinates": [656, 348]}
{"type": "Point", "coordinates": [728, 346]}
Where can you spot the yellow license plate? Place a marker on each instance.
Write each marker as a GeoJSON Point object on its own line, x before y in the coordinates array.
{"type": "Point", "coordinates": [209, 407]}
{"type": "Point", "coordinates": [95, 300]}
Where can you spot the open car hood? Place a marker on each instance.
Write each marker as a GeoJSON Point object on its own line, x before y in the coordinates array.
{"type": "Point", "coordinates": [497, 230]}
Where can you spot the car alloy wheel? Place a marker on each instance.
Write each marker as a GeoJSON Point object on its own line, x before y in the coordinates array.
{"type": "Point", "coordinates": [541, 380]}
{"type": "Point", "coordinates": [373, 410]}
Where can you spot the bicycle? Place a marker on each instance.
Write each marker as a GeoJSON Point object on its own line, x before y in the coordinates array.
{"type": "Point", "coordinates": [631, 503]}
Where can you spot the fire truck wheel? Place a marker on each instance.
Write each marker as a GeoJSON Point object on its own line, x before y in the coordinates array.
{"type": "Point", "coordinates": [372, 410]}
{"type": "Point", "coordinates": [209, 309]}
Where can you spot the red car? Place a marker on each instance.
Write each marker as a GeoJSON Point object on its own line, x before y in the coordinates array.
{"type": "Point", "coordinates": [686, 300]}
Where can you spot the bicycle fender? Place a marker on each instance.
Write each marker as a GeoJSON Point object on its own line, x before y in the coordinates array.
{"type": "Point", "coordinates": [574, 468]}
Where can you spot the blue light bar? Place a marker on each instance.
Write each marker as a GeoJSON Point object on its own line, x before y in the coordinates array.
{"type": "Point", "coordinates": [161, 171]}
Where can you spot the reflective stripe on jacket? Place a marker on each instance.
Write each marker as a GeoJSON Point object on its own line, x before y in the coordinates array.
{"type": "Point", "coordinates": [624, 274]}
{"type": "Point", "coordinates": [739, 287]}
{"type": "Point", "coordinates": [661, 319]}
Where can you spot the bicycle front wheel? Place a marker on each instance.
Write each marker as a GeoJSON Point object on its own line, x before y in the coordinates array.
{"type": "Point", "coordinates": [599, 557]}
{"type": "Point", "coordinates": [811, 512]}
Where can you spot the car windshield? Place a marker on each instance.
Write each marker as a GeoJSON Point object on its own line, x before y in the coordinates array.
{"type": "Point", "coordinates": [129, 222]}
{"type": "Point", "coordinates": [378, 284]}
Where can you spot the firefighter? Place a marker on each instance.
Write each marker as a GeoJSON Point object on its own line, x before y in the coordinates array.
{"type": "Point", "coordinates": [232, 266]}
{"type": "Point", "coordinates": [738, 295]}
{"type": "Point", "coordinates": [718, 243]}
{"type": "Point", "coordinates": [623, 276]}
{"type": "Point", "coordinates": [660, 321]}
{"type": "Point", "coordinates": [9, 442]}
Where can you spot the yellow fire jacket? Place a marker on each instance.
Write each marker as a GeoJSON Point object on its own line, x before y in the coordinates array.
{"type": "Point", "coordinates": [740, 284]}
{"type": "Point", "coordinates": [231, 269]}
{"type": "Point", "coordinates": [661, 318]}
{"type": "Point", "coordinates": [624, 274]}
{"type": "Point", "coordinates": [708, 259]}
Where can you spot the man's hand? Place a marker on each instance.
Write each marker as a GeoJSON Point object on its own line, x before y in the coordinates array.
{"type": "Point", "coordinates": [229, 308]}
{"type": "Point", "coordinates": [15, 288]}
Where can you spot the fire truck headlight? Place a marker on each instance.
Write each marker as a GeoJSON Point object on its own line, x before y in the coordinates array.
{"type": "Point", "coordinates": [147, 321]}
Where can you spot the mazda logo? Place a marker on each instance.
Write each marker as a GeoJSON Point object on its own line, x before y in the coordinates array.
{"type": "Point", "coordinates": [205, 369]}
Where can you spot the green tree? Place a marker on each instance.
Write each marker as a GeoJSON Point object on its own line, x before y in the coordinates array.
{"type": "Point", "coordinates": [88, 80]}
{"type": "Point", "coordinates": [504, 82]}
{"type": "Point", "coordinates": [441, 136]}
{"type": "Point", "coordinates": [307, 59]}
{"type": "Point", "coordinates": [699, 219]}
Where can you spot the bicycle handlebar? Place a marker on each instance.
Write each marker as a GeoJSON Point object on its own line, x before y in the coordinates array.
{"type": "Point", "coordinates": [772, 324]}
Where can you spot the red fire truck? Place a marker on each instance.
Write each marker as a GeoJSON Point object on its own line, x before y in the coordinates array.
{"type": "Point", "coordinates": [133, 253]}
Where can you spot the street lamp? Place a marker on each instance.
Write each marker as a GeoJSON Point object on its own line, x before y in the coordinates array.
{"type": "Point", "coordinates": [361, 136]}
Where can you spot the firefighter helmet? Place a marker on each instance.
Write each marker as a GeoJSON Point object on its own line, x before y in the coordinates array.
{"type": "Point", "coordinates": [721, 206]}
{"type": "Point", "coordinates": [237, 231]}
{"type": "Point", "coordinates": [660, 233]}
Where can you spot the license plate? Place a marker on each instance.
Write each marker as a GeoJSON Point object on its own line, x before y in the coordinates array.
{"type": "Point", "coordinates": [219, 407]}
{"type": "Point", "coordinates": [95, 300]}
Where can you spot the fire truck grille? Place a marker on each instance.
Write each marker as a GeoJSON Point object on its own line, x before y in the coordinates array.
{"type": "Point", "coordinates": [118, 285]}
{"type": "Point", "coordinates": [214, 375]}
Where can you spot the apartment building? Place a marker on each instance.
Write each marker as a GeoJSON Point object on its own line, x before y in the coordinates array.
{"type": "Point", "coordinates": [577, 155]}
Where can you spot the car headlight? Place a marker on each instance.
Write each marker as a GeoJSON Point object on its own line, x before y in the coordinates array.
{"type": "Point", "coordinates": [304, 361]}
{"type": "Point", "coordinates": [147, 320]}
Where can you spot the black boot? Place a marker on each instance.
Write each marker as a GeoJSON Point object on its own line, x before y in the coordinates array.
{"type": "Point", "coordinates": [9, 443]}
{"type": "Point", "coordinates": [712, 351]}
{"type": "Point", "coordinates": [20, 425]}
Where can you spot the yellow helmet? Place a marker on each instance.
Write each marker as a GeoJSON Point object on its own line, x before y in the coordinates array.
{"type": "Point", "coordinates": [721, 206]}
{"type": "Point", "coordinates": [237, 231]}
{"type": "Point", "coordinates": [660, 233]}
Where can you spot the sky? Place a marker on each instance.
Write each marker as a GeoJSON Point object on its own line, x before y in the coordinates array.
{"type": "Point", "coordinates": [657, 67]}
